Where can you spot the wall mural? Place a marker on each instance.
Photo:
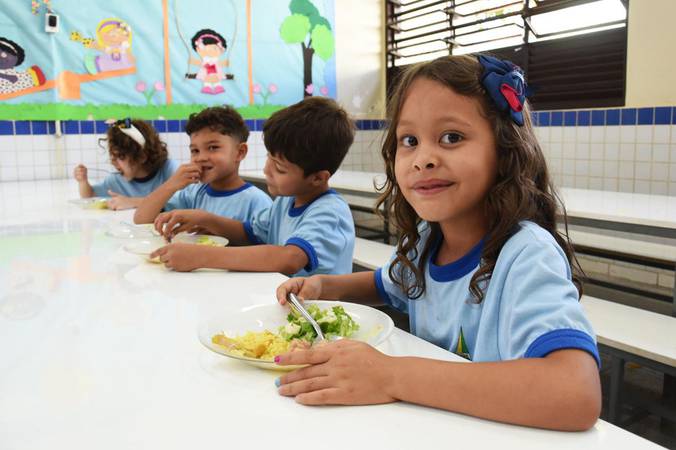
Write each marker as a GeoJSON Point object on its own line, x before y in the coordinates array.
{"type": "Point", "coordinates": [107, 60]}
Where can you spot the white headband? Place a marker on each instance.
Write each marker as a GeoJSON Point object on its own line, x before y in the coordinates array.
{"type": "Point", "coordinates": [135, 134]}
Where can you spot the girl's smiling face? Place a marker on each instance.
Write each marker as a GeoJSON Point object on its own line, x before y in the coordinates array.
{"type": "Point", "coordinates": [446, 159]}
{"type": "Point", "coordinates": [115, 36]}
{"type": "Point", "coordinates": [209, 51]}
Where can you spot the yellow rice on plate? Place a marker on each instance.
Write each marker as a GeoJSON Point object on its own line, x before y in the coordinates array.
{"type": "Point", "coordinates": [263, 345]}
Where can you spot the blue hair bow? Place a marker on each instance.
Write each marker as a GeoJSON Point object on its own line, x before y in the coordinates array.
{"type": "Point", "coordinates": [506, 85]}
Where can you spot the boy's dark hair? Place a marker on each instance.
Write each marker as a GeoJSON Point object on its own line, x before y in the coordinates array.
{"type": "Point", "coordinates": [208, 39]}
{"type": "Point", "coordinates": [151, 156]}
{"type": "Point", "coordinates": [12, 47]}
{"type": "Point", "coordinates": [314, 134]}
{"type": "Point", "coordinates": [222, 119]}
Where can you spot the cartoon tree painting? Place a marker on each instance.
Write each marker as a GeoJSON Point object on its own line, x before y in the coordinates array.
{"type": "Point", "coordinates": [305, 26]}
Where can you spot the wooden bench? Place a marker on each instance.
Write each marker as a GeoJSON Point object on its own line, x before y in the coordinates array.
{"type": "Point", "coordinates": [623, 332]}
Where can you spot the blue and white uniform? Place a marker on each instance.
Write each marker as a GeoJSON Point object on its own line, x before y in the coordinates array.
{"type": "Point", "coordinates": [138, 187]}
{"type": "Point", "coordinates": [323, 229]}
{"type": "Point", "coordinates": [240, 204]}
{"type": "Point", "coordinates": [530, 306]}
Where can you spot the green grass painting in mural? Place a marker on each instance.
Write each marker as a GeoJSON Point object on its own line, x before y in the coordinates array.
{"type": "Point", "coordinates": [53, 111]}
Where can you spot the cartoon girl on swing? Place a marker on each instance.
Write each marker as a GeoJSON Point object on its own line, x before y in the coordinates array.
{"type": "Point", "coordinates": [210, 46]}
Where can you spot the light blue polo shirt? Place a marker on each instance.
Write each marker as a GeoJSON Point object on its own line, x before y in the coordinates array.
{"type": "Point", "coordinates": [240, 204]}
{"type": "Point", "coordinates": [530, 306]}
{"type": "Point", "coordinates": [323, 229]}
{"type": "Point", "coordinates": [139, 187]}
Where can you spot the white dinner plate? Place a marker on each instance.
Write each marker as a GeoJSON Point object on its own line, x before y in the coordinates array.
{"type": "Point", "coordinates": [91, 202]}
{"type": "Point", "coordinates": [374, 326]}
{"type": "Point", "coordinates": [144, 247]}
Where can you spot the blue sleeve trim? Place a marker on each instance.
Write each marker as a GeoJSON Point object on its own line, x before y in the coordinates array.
{"type": "Point", "coordinates": [563, 339]}
{"type": "Point", "coordinates": [380, 287]}
{"type": "Point", "coordinates": [313, 261]}
{"type": "Point", "coordinates": [248, 229]}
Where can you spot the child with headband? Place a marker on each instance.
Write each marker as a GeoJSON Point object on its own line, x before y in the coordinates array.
{"type": "Point", "coordinates": [140, 157]}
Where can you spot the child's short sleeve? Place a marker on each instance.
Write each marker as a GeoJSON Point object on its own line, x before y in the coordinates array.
{"type": "Point", "coordinates": [389, 292]}
{"type": "Point", "coordinates": [539, 309]}
{"type": "Point", "coordinates": [326, 236]}
{"type": "Point", "coordinates": [182, 199]}
{"type": "Point", "coordinates": [258, 228]}
{"type": "Point", "coordinates": [108, 184]}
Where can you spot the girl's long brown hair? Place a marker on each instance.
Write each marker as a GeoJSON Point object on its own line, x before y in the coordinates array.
{"type": "Point", "coordinates": [522, 189]}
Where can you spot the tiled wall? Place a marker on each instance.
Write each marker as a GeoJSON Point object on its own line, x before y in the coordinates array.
{"type": "Point", "coordinates": [32, 150]}
{"type": "Point", "coordinates": [628, 150]}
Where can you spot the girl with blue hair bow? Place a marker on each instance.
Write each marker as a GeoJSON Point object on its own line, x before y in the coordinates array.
{"type": "Point", "coordinates": [479, 266]}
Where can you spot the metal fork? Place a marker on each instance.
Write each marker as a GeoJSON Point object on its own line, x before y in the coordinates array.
{"type": "Point", "coordinates": [301, 309]}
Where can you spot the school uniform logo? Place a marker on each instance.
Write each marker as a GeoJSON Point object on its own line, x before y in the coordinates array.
{"type": "Point", "coordinates": [461, 347]}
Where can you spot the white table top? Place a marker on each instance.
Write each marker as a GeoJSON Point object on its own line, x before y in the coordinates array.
{"type": "Point", "coordinates": [99, 350]}
{"type": "Point", "coordinates": [616, 207]}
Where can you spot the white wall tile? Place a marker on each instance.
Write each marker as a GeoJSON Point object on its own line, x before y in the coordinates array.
{"type": "Point", "coordinates": [582, 182]}
{"type": "Point", "coordinates": [626, 169]}
{"type": "Point", "coordinates": [642, 171]}
{"type": "Point", "coordinates": [596, 168]}
{"type": "Point", "coordinates": [26, 172]}
{"type": "Point", "coordinates": [582, 168]}
{"type": "Point", "coordinates": [627, 152]}
{"type": "Point", "coordinates": [582, 150]}
{"type": "Point", "coordinates": [672, 188]}
{"type": "Point", "coordinates": [611, 169]}
{"type": "Point", "coordinates": [660, 153]}
{"type": "Point", "coordinates": [612, 152]}
{"type": "Point", "coordinates": [12, 174]}
{"type": "Point", "coordinates": [642, 186]}
{"type": "Point", "coordinates": [596, 151]}
{"type": "Point", "coordinates": [659, 172]}
{"type": "Point", "coordinates": [8, 159]}
{"type": "Point", "coordinates": [568, 167]}
{"type": "Point", "coordinates": [556, 150]}
{"type": "Point", "coordinates": [598, 135]}
{"type": "Point", "coordinates": [555, 134]}
{"type": "Point", "coordinates": [627, 133]}
{"type": "Point", "coordinates": [612, 134]}
{"type": "Point", "coordinates": [658, 188]}
{"type": "Point", "coordinates": [595, 183]}
{"type": "Point", "coordinates": [25, 158]}
{"type": "Point", "coordinates": [569, 134]}
{"type": "Point", "coordinates": [672, 172]}
{"type": "Point", "coordinates": [610, 184]}
{"type": "Point", "coordinates": [661, 134]}
{"type": "Point", "coordinates": [644, 134]}
{"type": "Point", "coordinates": [643, 152]}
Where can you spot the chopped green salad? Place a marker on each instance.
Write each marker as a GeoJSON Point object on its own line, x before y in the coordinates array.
{"type": "Point", "coordinates": [333, 322]}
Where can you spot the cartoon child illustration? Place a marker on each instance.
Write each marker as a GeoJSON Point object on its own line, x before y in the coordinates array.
{"type": "Point", "coordinates": [12, 55]}
{"type": "Point", "coordinates": [113, 39]}
{"type": "Point", "coordinates": [210, 46]}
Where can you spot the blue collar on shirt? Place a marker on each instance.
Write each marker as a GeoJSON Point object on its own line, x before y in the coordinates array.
{"type": "Point", "coordinates": [295, 212]}
{"type": "Point", "coordinates": [211, 192]}
{"type": "Point", "coordinates": [456, 269]}
{"type": "Point", "coordinates": [146, 178]}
